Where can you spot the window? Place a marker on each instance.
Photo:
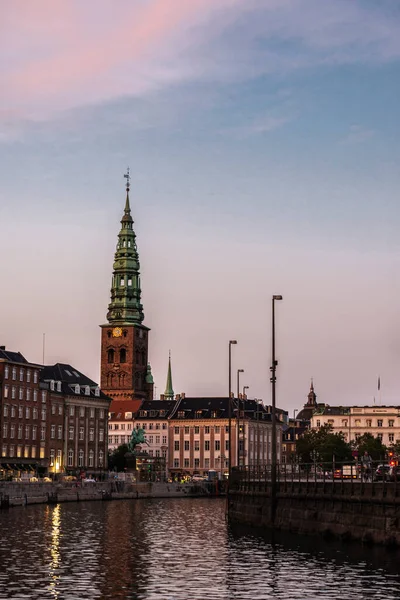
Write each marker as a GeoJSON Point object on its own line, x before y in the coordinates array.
{"type": "Point", "coordinates": [13, 391]}
{"type": "Point", "coordinates": [12, 431]}
{"type": "Point", "coordinates": [101, 415]}
{"type": "Point", "coordinates": [197, 429]}
{"type": "Point", "coordinates": [82, 411]}
{"type": "Point", "coordinates": [12, 449]}
{"type": "Point", "coordinates": [164, 426]}
{"type": "Point", "coordinates": [101, 458]}
{"type": "Point", "coordinates": [110, 356]}
{"type": "Point", "coordinates": [157, 439]}
{"type": "Point", "coordinates": [164, 439]}
{"type": "Point", "coordinates": [42, 451]}
{"type": "Point", "coordinates": [20, 412]}
{"type": "Point", "coordinates": [186, 445]}
{"type": "Point", "coordinates": [53, 409]}
{"type": "Point", "coordinates": [207, 429]}
{"type": "Point", "coordinates": [176, 430]}
{"type": "Point", "coordinates": [53, 432]}
{"type": "Point", "coordinates": [19, 432]}
{"type": "Point", "coordinates": [81, 433]}
{"type": "Point", "coordinates": [87, 390]}
{"type": "Point", "coordinates": [92, 413]}
{"type": "Point", "coordinates": [226, 444]}
{"type": "Point", "coordinates": [34, 432]}
{"type": "Point", "coordinates": [5, 410]}
{"type": "Point", "coordinates": [181, 414]}
{"type": "Point", "coordinates": [122, 280]}
{"type": "Point", "coordinates": [19, 451]}
{"type": "Point", "coordinates": [176, 463]}
{"type": "Point", "coordinates": [6, 372]}
{"type": "Point", "coordinates": [196, 463]}
{"type": "Point", "coordinates": [344, 422]}
{"type": "Point", "coordinates": [28, 394]}
{"type": "Point", "coordinates": [52, 456]}
{"type": "Point", "coordinates": [26, 452]}
{"type": "Point", "coordinates": [391, 422]}
{"type": "Point", "coordinates": [116, 439]}
{"type": "Point", "coordinates": [35, 395]}
{"type": "Point", "coordinates": [28, 376]}
{"type": "Point", "coordinates": [380, 436]}
{"type": "Point", "coordinates": [6, 391]}
{"type": "Point", "coordinates": [391, 437]}
{"type": "Point", "coordinates": [206, 463]}
{"type": "Point", "coordinates": [77, 388]}
{"type": "Point", "coordinates": [91, 434]}
{"type": "Point", "coordinates": [380, 423]}
{"type": "Point", "coordinates": [59, 457]}
{"type": "Point", "coordinates": [43, 397]}
{"type": "Point", "coordinates": [176, 445]}
{"type": "Point", "coordinates": [35, 376]}
{"type": "Point", "coordinates": [91, 458]}
{"type": "Point", "coordinates": [5, 430]}
{"type": "Point", "coordinates": [186, 463]}
{"type": "Point", "coordinates": [60, 410]}
{"type": "Point", "coordinates": [42, 433]}
{"type": "Point", "coordinates": [33, 453]}
{"type": "Point", "coordinates": [71, 433]}
{"type": "Point", "coordinates": [71, 411]}
{"type": "Point", "coordinates": [21, 393]}
{"type": "Point", "coordinates": [13, 411]}
{"type": "Point", "coordinates": [217, 445]}
{"type": "Point", "coordinates": [116, 426]}
{"type": "Point", "coordinates": [101, 435]}
{"type": "Point", "coordinates": [318, 423]}
{"type": "Point", "coordinates": [21, 374]}
{"type": "Point", "coordinates": [43, 414]}
{"type": "Point", "coordinates": [14, 373]}
{"type": "Point", "coordinates": [35, 413]}
{"type": "Point", "coordinates": [357, 422]}
{"type": "Point", "coordinates": [70, 457]}
{"type": "Point", "coordinates": [27, 413]}
{"type": "Point", "coordinates": [207, 445]}
{"type": "Point", "coordinates": [122, 355]}
{"type": "Point", "coordinates": [217, 429]}
{"type": "Point", "coordinates": [80, 458]}
{"type": "Point", "coordinates": [197, 445]}
{"type": "Point", "coordinates": [187, 429]}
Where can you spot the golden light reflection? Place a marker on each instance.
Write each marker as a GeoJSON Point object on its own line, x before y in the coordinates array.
{"type": "Point", "coordinates": [55, 550]}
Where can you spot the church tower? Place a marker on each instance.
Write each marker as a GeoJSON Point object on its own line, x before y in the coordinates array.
{"type": "Point", "coordinates": [124, 339]}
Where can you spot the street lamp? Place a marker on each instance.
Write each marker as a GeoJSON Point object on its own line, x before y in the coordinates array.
{"type": "Point", "coordinates": [238, 416]}
{"type": "Point", "coordinates": [229, 406]}
{"type": "Point", "coordinates": [273, 414]}
{"type": "Point", "coordinates": [245, 387]}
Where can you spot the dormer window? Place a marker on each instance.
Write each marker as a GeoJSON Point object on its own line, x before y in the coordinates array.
{"type": "Point", "coordinates": [58, 386]}
{"type": "Point", "coordinates": [87, 390]}
{"type": "Point", "coordinates": [181, 414]}
{"type": "Point", "coordinates": [52, 385]}
{"type": "Point", "coordinates": [77, 389]}
{"type": "Point", "coordinates": [97, 391]}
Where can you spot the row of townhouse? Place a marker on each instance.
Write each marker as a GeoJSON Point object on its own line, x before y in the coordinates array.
{"type": "Point", "coordinates": [53, 419]}
{"type": "Point", "coordinates": [192, 434]}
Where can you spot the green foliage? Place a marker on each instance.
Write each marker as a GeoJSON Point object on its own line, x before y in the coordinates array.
{"type": "Point", "coordinates": [372, 445]}
{"type": "Point", "coordinates": [322, 445]}
{"type": "Point", "coordinates": [116, 458]}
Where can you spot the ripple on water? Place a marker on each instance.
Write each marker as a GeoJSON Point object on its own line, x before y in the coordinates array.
{"type": "Point", "coordinates": [178, 549]}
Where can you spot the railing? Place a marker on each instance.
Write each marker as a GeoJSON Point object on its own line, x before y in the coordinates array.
{"type": "Point", "coordinates": [319, 478]}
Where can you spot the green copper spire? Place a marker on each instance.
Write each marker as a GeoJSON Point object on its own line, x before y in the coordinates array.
{"type": "Point", "coordinates": [169, 392]}
{"type": "Point", "coordinates": [149, 374]}
{"type": "Point", "coordinates": [125, 307]}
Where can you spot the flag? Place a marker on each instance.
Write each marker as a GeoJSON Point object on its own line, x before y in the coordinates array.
{"type": "Point", "coordinates": [379, 383]}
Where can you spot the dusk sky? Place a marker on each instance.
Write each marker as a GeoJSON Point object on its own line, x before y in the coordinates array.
{"type": "Point", "coordinates": [263, 141]}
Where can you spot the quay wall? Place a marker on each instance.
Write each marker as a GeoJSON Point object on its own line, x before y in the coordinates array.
{"type": "Point", "coordinates": [369, 513]}
{"type": "Point", "coordinates": [23, 494]}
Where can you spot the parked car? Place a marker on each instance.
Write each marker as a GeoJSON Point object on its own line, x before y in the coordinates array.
{"type": "Point", "coordinates": [197, 478]}
{"type": "Point", "coordinates": [387, 473]}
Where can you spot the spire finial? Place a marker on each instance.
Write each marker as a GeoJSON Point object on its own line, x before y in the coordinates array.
{"type": "Point", "coordinates": [312, 385]}
{"type": "Point", "coordinates": [128, 179]}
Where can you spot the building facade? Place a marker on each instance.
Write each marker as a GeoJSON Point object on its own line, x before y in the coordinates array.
{"type": "Point", "coordinates": [121, 422]}
{"type": "Point", "coordinates": [125, 371]}
{"type": "Point", "coordinates": [354, 421]}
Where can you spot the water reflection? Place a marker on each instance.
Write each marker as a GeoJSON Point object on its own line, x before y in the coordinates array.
{"type": "Point", "coordinates": [177, 549]}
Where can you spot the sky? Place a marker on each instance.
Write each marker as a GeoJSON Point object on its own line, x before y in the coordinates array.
{"type": "Point", "coordinates": [263, 142]}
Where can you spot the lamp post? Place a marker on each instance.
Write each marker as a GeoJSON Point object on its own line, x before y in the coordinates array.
{"type": "Point", "coordinates": [245, 387]}
{"type": "Point", "coordinates": [273, 414]}
{"type": "Point", "coordinates": [238, 417]}
{"type": "Point", "coordinates": [230, 407]}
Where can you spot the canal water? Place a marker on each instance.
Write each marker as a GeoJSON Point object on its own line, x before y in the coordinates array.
{"type": "Point", "coordinates": [177, 549]}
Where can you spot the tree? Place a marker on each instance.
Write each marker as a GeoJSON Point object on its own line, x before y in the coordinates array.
{"type": "Point", "coordinates": [323, 445]}
{"type": "Point", "coordinates": [373, 445]}
{"type": "Point", "coordinates": [116, 458]}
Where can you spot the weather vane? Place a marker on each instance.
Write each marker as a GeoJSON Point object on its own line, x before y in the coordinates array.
{"type": "Point", "coordinates": [128, 179]}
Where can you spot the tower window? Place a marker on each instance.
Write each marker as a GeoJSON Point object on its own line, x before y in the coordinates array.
{"type": "Point", "coordinates": [129, 243]}
{"type": "Point", "coordinates": [122, 355]}
{"type": "Point", "coordinates": [122, 281]}
{"type": "Point", "coordinates": [111, 355]}
{"type": "Point", "coordinates": [109, 333]}
{"type": "Point", "coordinates": [129, 281]}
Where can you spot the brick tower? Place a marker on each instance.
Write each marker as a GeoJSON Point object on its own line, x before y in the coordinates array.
{"type": "Point", "coordinates": [125, 372]}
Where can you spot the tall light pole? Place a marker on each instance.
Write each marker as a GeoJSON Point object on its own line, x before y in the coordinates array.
{"type": "Point", "coordinates": [245, 387]}
{"type": "Point", "coordinates": [273, 414]}
{"type": "Point", "coordinates": [238, 416]}
{"type": "Point", "coordinates": [230, 407]}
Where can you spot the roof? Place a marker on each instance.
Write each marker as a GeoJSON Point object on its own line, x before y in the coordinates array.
{"type": "Point", "coordinates": [12, 356]}
{"type": "Point", "coordinates": [70, 378]}
{"type": "Point", "coordinates": [156, 409]}
{"type": "Point", "coordinates": [119, 408]}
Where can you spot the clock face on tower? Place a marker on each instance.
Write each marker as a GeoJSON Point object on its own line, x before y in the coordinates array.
{"type": "Point", "coordinates": [117, 332]}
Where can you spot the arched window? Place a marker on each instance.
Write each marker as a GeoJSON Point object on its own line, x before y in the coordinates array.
{"type": "Point", "coordinates": [122, 355]}
{"type": "Point", "coordinates": [109, 333]}
{"type": "Point", "coordinates": [111, 355]}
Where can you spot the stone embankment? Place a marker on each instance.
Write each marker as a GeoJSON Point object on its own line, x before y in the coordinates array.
{"type": "Point", "coordinates": [348, 510]}
{"type": "Point", "coordinates": [22, 494]}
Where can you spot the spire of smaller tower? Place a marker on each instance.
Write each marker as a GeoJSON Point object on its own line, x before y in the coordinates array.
{"type": "Point", "coordinates": [312, 385]}
{"type": "Point", "coordinates": [169, 392]}
{"type": "Point", "coordinates": [312, 397]}
{"type": "Point", "coordinates": [149, 374]}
